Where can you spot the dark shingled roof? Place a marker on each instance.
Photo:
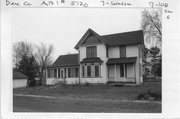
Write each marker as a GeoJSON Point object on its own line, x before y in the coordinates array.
{"type": "Point", "coordinates": [66, 60]}
{"type": "Point", "coordinates": [121, 60]}
{"type": "Point", "coordinates": [90, 60]}
{"type": "Point", "coordinates": [18, 75]}
{"type": "Point", "coordinates": [126, 38]}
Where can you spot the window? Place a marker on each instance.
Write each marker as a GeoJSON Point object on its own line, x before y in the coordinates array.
{"type": "Point", "coordinates": [88, 71]}
{"type": "Point", "coordinates": [69, 72]}
{"type": "Point", "coordinates": [73, 72]}
{"type": "Point", "coordinates": [65, 73]}
{"type": "Point", "coordinates": [59, 73]}
{"type": "Point", "coordinates": [121, 70]}
{"type": "Point", "coordinates": [83, 72]}
{"type": "Point", "coordinates": [91, 70]}
{"type": "Point", "coordinates": [122, 51]}
{"type": "Point", "coordinates": [97, 71]}
{"type": "Point", "coordinates": [76, 72]}
{"type": "Point", "coordinates": [91, 52]}
{"type": "Point", "coordinates": [55, 73]}
{"type": "Point", "coordinates": [48, 73]}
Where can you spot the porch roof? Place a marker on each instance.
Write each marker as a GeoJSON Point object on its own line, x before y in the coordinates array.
{"type": "Point", "coordinates": [121, 60]}
{"type": "Point", "coordinates": [91, 60]}
{"type": "Point", "coordinates": [65, 61]}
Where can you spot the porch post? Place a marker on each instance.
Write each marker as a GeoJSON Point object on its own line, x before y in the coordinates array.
{"type": "Point", "coordinates": [57, 73]}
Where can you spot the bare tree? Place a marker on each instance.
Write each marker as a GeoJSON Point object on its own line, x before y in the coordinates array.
{"type": "Point", "coordinates": [21, 49]}
{"type": "Point", "coordinates": [152, 27]}
{"type": "Point", "coordinates": [43, 58]}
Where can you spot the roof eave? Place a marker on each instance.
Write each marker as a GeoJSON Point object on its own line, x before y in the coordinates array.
{"type": "Point", "coordinates": [68, 65]}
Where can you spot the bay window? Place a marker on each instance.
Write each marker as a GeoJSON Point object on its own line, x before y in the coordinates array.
{"type": "Point", "coordinates": [97, 72]}
{"type": "Point", "coordinates": [88, 71]}
{"type": "Point", "coordinates": [93, 70]}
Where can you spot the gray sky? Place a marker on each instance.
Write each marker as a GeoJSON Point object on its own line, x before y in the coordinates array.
{"type": "Point", "coordinates": [63, 27]}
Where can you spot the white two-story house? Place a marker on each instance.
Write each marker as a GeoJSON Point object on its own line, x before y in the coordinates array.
{"type": "Point", "coordinates": [101, 59]}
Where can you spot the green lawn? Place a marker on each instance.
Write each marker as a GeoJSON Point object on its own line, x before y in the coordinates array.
{"type": "Point", "coordinates": [92, 91]}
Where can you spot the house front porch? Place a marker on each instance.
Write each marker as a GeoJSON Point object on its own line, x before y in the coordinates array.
{"type": "Point", "coordinates": [122, 70]}
{"type": "Point", "coordinates": [68, 75]}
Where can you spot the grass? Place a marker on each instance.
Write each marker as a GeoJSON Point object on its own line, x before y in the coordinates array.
{"type": "Point", "coordinates": [149, 96]}
{"type": "Point", "coordinates": [93, 91]}
{"type": "Point", "coordinates": [74, 105]}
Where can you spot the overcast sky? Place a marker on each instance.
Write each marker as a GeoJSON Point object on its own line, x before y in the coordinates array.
{"type": "Point", "coordinates": [64, 27]}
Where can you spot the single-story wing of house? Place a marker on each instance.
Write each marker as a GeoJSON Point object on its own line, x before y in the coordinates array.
{"type": "Point", "coordinates": [19, 79]}
{"type": "Point", "coordinates": [101, 59]}
{"type": "Point", "coordinates": [64, 69]}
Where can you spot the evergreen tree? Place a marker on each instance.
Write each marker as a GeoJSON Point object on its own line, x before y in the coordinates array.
{"type": "Point", "coordinates": [154, 54]}
{"type": "Point", "coordinates": [29, 67]}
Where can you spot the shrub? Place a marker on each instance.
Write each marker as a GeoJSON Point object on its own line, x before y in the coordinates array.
{"type": "Point", "coordinates": [87, 84]}
{"type": "Point", "coordinates": [149, 96]}
{"type": "Point", "coordinates": [32, 83]}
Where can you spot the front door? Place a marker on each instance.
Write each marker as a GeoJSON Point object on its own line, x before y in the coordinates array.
{"type": "Point", "coordinates": [120, 73]}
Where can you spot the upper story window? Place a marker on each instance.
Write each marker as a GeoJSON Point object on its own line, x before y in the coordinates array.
{"type": "Point", "coordinates": [91, 52]}
{"type": "Point", "coordinates": [122, 51]}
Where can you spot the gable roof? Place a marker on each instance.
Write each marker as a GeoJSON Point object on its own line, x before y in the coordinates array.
{"type": "Point", "coordinates": [67, 60]}
{"type": "Point", "coordinates": [18, 75]}
{"type": "Point", "coordinates": [89, 32]}
{"type": "Point", "coordinates": [125, 38]}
